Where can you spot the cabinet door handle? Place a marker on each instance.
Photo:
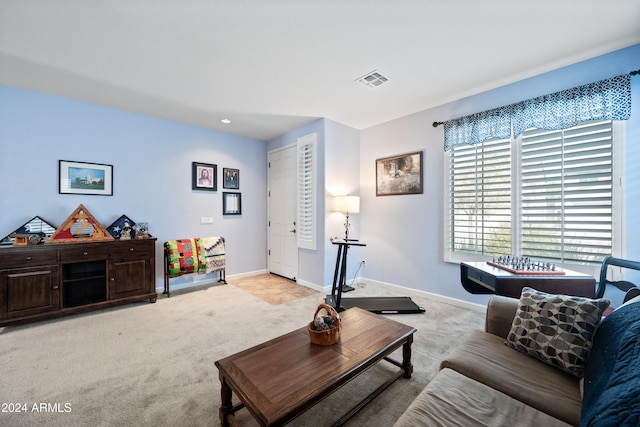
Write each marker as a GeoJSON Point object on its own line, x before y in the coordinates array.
{"type": "Point", "coordinates": [28, 258]}
{"type": "Point", "coordinates": [113, 279]}
{"type": "Point", "coordinates": [55, 287]}
{"type": "Point", "coordinates": [131, 249]}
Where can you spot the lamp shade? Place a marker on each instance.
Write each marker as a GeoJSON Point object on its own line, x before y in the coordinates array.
{"type": "Point", "coordinates": [348, 204]}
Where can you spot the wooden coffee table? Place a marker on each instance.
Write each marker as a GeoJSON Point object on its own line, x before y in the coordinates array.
{"type": "Point", "coordinates": [281, 378]}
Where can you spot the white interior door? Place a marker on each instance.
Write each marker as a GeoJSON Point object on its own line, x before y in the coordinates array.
{"type": "Point", "coordinates": [283, 247]}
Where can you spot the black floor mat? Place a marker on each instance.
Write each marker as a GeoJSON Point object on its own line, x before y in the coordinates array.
{"type": "Point", "coordinates": [381, 305]}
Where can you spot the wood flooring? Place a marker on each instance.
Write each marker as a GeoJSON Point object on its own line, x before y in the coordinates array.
{"type": "Point", "coordinates": [272, 289]}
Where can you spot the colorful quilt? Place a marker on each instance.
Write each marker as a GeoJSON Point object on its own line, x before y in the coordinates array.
{"type": "Point", "coordinates": [214, 254]}
{"type": "Point", "coordinates": [185, 256]}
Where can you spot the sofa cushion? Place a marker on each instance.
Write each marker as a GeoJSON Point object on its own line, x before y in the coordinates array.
{"type": "Point", "coordinates": [451, 399]}
{"type": "Point", "coordinates": [557, 329]}
{"type": "Point", "coordinates": [500, 313]}
{"type": "Point", "coordinates": [484, 357]}
{"type": "Point", "coordinates": [612, 372]}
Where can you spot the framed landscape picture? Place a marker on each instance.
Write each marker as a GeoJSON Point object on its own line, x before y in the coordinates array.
{"type": "Point", "coordinates": [400, 174]}
{"type": "Point", "coordinates": [204, 176]}
{"type": "Point", "coordinates": [85, 178]}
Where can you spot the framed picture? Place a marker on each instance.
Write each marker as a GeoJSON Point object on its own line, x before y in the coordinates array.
{"type": "Point", "coordinates": [204, 176]}
{"type": "Point", "coordinates": [231, 204]}
{"type": "Point", "coordinates": [230, 178]}
{"type": "Point", "coordinates": [399, 175]}
{"type": "Point", "coordinates": [85, 178]}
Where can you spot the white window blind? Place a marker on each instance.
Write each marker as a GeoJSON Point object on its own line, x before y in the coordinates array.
{"type": "Point", "coordinates": [480, 198]}
{"type": "Point", "coordinates": [567, 192]}
{"type": "Point", "coordinates": [307, 192]}
{"type": "Point", "coordinates": [548, 195]}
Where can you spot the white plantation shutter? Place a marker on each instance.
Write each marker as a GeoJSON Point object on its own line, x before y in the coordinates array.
{"type": "Point", "coordinates": [480, 198]}
{"type": "Point", "coordinates": [307, 192]}
{"type": "Point", "coordinates": [548, 195]}
{"type": "Point", "coordinates": [567, 193]}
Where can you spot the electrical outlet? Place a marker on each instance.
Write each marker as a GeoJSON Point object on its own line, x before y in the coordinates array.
{"type": "Point", "coordinates": [206, 220]}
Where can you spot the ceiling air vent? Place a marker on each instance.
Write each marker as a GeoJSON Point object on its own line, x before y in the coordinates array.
{"type": "Point", "coordinates": [372, 79]}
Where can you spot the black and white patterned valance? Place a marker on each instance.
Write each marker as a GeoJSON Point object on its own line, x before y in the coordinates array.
{"type": "Point", "coordinates": [608, 99]}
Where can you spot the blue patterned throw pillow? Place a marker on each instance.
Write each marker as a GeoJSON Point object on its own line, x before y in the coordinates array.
{"type": "Point", "coordinates": [556, 329]}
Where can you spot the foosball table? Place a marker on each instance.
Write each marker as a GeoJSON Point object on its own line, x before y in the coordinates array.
{"type": "Point", "coordinates": [508, 275]}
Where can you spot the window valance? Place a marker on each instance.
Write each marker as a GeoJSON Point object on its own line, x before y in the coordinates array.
{"type": "Point", "coordinates": [608, 99]}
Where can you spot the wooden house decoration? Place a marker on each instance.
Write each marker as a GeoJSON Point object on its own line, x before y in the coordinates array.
{"type": "Point", "coordinates": [80, 226]}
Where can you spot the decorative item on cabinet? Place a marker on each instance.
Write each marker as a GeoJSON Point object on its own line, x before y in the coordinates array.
{"type": "Point", "coordinates": [118, 225]}
{"type": "Point", "coordinates": [80, 226]}
{"type": "Point", "coordinates": [142, 231]}
{"type": "Point", "coordinates": [35, 225]}
{"type": "Point", "coordinates": [27, 239]}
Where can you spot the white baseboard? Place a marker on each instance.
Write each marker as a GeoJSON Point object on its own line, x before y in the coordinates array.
{"type": "Point", "coordinates": [197, 281]}
{"type": "Point", "coordinates": [194, 279]}
{"type": "Point", "coordinates": [437, 297]}
{"type": "Point", "coordinates": [313, 286]}
{"type": "Point", "coordinates": [248, 274]}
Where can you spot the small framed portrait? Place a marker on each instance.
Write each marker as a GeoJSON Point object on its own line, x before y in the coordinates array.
{"type": "Point", "coordinates": [399, 175]}
{"type": "Point", "coordinates": [231, 204]}
{"type": "Point", "coordinates": [231, 178]}
{"type": "Point", "coordinates": [85, 178]}
{"type": "Point", "coordinates": [204, 176]}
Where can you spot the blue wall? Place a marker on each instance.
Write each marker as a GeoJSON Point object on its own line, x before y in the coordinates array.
{"type": "Point", "coordinates": [151, 161]}
{"type": "Point", "coordinates": [338, 174]}
{"type": "Point", "coordinates": [152, 177]}
{"type": "Point", "coordinates": [405, 234]}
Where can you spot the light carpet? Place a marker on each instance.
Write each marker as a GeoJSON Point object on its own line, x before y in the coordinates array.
{"type": "Point", "coordinates": [153, 364]}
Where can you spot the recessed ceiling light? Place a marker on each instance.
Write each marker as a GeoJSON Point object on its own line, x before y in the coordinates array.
{"type": "Point", "coordinates": [372, 79]}
{"type": "Point", "coordinates": [225, 121]}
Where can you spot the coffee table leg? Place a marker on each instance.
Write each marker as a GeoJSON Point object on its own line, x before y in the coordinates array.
{"type": "Point", "coordinates": [407, 367]}
{"type": "Point", "coordinates": [226, 408]}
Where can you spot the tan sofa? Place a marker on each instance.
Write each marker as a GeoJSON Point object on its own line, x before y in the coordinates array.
{"type": "Point", "coordinates": [484, 382]}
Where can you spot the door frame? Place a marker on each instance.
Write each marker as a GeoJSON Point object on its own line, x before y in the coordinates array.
{"type": "Point", "coordinates": [292, 146]}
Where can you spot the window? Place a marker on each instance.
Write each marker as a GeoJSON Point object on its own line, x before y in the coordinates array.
{"type": "Point", "coordinates": [480, 198]}
{"type": "Point", "coordinates": [549, 195]}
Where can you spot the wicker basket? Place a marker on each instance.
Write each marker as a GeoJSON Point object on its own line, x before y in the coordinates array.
{"type": "Point", "coordinates": [327, 336]}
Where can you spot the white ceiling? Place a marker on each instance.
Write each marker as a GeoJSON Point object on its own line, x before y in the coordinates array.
{"type": "Point", "coordinates": [273, 66]}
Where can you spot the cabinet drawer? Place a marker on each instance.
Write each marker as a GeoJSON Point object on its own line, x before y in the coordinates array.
{"type": "Point", "coordinates": [481, 278]}
{"type": "Point", "coordinates": [131, 250]}
{"type": "Point", "coordinates": [28, 258]}
{"type": "Point", "coordinates": [83, 253]}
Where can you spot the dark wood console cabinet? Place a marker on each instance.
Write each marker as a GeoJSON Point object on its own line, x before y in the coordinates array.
{"type": "Point", "coordinates": [52, 280]}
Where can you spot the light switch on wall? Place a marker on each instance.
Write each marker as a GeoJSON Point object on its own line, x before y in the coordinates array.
{"type": "Point", "coordinates": [206, 220]}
